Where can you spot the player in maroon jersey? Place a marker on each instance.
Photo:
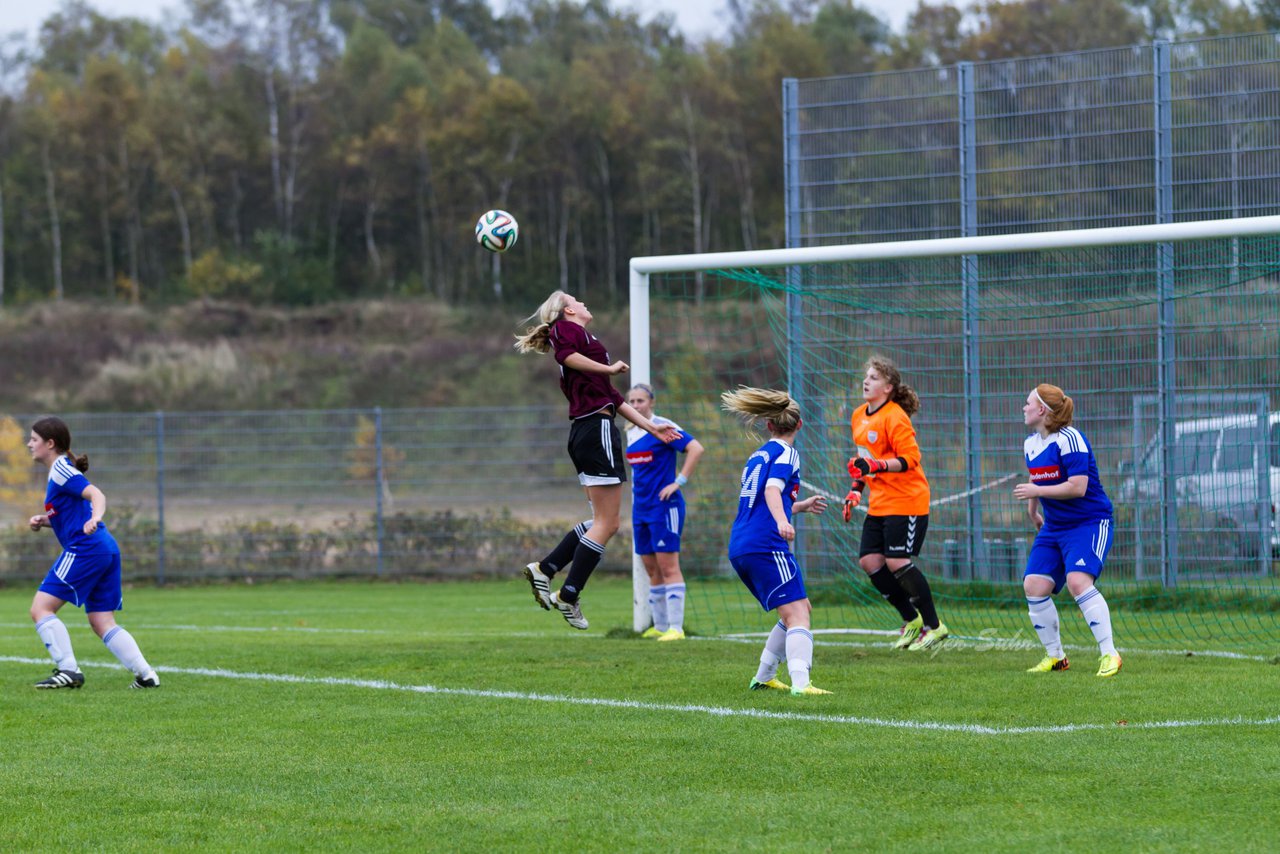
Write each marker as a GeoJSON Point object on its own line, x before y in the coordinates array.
{"type": "Point", "coordinates": [595, 445]}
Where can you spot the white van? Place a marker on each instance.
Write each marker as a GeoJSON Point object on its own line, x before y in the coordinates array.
{"type": "Point", "coordinates": [1217, 462]}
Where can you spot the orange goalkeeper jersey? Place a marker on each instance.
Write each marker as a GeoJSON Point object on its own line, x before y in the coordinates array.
{"type": "Point", "coordinates": [884, 435]}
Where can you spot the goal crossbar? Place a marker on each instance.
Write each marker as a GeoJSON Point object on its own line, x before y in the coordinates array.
{"type": "Point", "coordinates": [951, 246]}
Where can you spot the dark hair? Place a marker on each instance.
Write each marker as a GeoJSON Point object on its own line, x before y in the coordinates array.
{"type": "Point", "coordinates": [55, 430]}
{"type": "Point", "coordinates": [903, 394]}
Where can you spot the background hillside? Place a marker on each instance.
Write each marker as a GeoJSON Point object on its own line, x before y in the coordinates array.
{"type": "Point", "coordinates": [217, 355]}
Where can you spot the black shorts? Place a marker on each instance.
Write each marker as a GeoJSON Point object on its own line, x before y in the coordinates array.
{"type": "Point", "coordinates": [595, 446]}
{"type": "Point", "coordinates": [893, 536]}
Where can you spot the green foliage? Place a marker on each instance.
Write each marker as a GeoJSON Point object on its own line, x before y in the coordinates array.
{"type": "Point", "coordinates": [349, 155]}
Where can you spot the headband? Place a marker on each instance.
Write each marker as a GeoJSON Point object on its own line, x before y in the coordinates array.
{"type": "Point", "coordinates": [1036, 392]}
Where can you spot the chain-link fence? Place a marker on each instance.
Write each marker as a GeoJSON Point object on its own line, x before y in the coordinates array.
{"type": "Point", "coordinates": [199, 495]}
{"type": "Point", "coordinates": [1123, 136]}
{"type": "Point", "coordinates": [1170, 353]}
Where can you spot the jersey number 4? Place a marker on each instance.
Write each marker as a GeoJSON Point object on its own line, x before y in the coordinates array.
{"type": "Point", "coordinates": [750, 484]}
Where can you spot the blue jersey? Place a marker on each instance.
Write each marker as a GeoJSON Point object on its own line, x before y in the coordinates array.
{"type": "Point", "coordinates": [653, 466]}
{"type": "Point", "coordinates": [68, 511]}
{"type": "Point", "coordinates": [1054, 458]}
{"type": "Point", "coordinates": [754, 531]}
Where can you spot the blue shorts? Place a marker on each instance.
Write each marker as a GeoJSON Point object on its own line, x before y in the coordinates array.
{"type": "Point", "coordinates": [90, 581]}
{"type": "Point", "coordinates": [660, 533]}
{"type": "Point", "coordinates": [772, 577]}
{"type": "Point", "coordinates": [1080, 549]}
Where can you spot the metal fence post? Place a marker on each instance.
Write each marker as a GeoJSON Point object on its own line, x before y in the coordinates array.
{"type": "Point", "coordinates": [159, 497]}
{"type": "Point", "coordinates": [380, 481]}
{"type": "Point", "coordinates": [795, 276]}
{"type": "Point", "coordinates": [1166, 386]}
{"type": "Point", "coordinates": [969, 282]}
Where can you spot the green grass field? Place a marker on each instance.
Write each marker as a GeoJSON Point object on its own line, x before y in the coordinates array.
{"type": "Point", "coordinates": [376, 716]}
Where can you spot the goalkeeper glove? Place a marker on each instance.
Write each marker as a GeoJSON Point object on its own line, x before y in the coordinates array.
{"type": "Point", "coordinates": [852, 499]}
{"type": "Point", "coordinates": [860, 467]}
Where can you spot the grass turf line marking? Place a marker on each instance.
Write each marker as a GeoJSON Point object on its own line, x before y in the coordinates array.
{"type": "Point", "coordinates": [756, 637]}
{"type": "Point", "coordinates": [180, 627]}
{"type": "Point", "coordinates": [737, 637]}
{"type": "Point", "coordinates": [714, 711]}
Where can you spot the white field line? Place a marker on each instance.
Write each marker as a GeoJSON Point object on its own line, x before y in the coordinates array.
{"type": "Point", "coordinates": [182, 627]}
{"type": "Point", "coordinates": [713, 711]}
{"type": "Point", "coordinates": [987, 643]}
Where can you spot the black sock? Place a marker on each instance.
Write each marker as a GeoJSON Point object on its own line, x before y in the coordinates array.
{"type": "Point", "coordinates": [914, 582]}
{"type": "Point", "coordinates": [562, 554]}
{"type": "Point", "coordinates": [893, 593]}
{"type": "Point", "coordinates": [585, 558]}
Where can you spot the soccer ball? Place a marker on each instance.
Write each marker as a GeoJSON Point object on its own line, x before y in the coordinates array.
{"type": "Point", "coordinates": [497, 231]}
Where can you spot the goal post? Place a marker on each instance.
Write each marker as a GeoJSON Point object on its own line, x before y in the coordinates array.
{"type": "Point", "coordinates": [1105, 313]}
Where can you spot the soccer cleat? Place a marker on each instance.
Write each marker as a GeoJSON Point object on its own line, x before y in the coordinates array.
{"type": "Point", "coordinates": [671, 635]}
{"type": "Point", "coordinates": [651, 632]}
{"type": "Point", "coordinates": [1049, 664]}
{"type": "Point", "coordinates": [149, 680]}
{"type": "Point", "coordinates": [570, 611]}
{"type": "Point", "coordinates": [930, 638]}
{"type": "Point", "coordinates": [1109, 665]}
{"type": "Point", "coordinates": [541, 584]}
{"type": "Point", "coordinates": [62, 679]}
{"type": "Point", "coordinates": [909, 632]}
{"type": "Point", "coordinates": [770, 685]}
{"type": "Point", "coordinates": [808, 690]}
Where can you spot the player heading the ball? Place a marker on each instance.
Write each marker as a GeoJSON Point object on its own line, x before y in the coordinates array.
{"type": "Point", "coordinates": [595, 446]}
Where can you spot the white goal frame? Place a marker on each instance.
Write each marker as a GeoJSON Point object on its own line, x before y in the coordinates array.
{"type": "Point", "coordinates": [641, 268]}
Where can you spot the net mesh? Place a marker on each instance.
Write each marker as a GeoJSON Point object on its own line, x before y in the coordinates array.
{"type": "Point", "coordinates": [1088, 320]}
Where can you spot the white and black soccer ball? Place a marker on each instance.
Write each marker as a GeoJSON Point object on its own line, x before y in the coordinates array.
{"type": "Point", "coordinates": [497, 231]}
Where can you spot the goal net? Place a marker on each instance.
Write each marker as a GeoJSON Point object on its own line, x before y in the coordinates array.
{"type": "Point", "coordinates": [1167, 337]}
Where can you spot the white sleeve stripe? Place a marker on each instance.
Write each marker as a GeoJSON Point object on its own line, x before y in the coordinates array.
{"type": "Point", "coordinates": [62, 471]}
{"type": "Point", "coordinates": [789, 456]}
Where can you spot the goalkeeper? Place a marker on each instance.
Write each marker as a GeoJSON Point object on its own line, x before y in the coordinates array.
{"type": "Point", "coordinates": [887, 470]}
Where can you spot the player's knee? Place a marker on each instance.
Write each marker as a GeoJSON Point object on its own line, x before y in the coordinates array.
{"type": "Point", "coordinates": [1078, 583]}
{"type": "Point", "coordinates": [871, 563]}
{"type": "Point", "coordinates": [1032, 586]}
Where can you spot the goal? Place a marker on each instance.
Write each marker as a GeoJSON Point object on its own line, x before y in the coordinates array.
{"type": "Point", "coordinates": [1172, 315]}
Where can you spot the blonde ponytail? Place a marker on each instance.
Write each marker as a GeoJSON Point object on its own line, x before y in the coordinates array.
{"type": "Point", "coordinates": [537, 338]}
{"type": "Point", "coordinates": [777, 407]}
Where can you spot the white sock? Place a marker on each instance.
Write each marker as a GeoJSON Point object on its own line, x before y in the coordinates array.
{"type": "Point", "coordinates": [56, 639]}
{"type": "Point", "coordinates": [1044, 619]}
{"type": "Point", "coordinates": [675, 606]}
{"type": "Point", "coordinates": [799, 656]}
{"type": "Point", "coordinates": [1098, 616]}
{"type": "Point", "coordinates": [125, 648]}
{"type": "Point", "coordinates": [775, 646]}
{"type": "Point", "coordinates": [658, 605]}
